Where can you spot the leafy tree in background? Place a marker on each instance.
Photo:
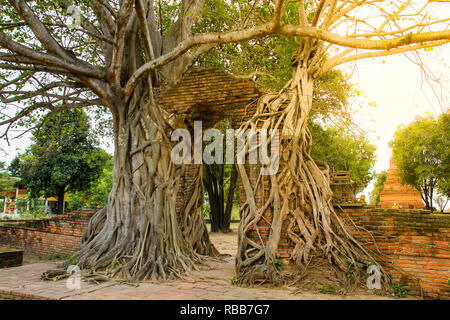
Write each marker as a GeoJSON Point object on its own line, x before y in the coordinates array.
{"type": "Point", "coordinates": [443, 132]}
{"type": "Point", "coordinates": [6, 184]}
{"type": "Point", "coordinates": [267, 61]}
{"type": "Point", "coordinates": [378, 187]}
{"type": "Point", "coordinates": [221, 187]}
{"type": "Point", "coordinates": [344, 151]}
{"type": "Point", "coordinates": [99, 189]}
{"type": "Point", "coordinates": [62, 158]}
{"type": "Point", "coordinates": [421, 152]}
{"type": "Point", "coordinates": [220, 183]}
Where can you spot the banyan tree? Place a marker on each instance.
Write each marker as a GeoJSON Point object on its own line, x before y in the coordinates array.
{"type": "Point", "coordinates": [120, 54]}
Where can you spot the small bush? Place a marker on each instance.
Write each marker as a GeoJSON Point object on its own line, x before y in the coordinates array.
{"type": "Point", "coordinates": [278, 264]}
{"type": "Point", "coordinates": [36, 213]}
{"type": "Point", "coordinates": [398, 290]}
{"type": "Point", "coordinates": [327, 288]}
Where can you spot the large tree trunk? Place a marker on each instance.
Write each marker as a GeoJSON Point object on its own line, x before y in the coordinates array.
{"type": "Point", "coordinates": [60, 206]}
{"type": "Point", "coordinates": [139, 235]}
{"type": "Point", "coordinates": [299, 197]}
{"type": "Point", "coordinates": [211, 184]}
{"type": "Point", "coordinates": [214, 181]}
{"type": "Point", "coordinates": [230, 199]}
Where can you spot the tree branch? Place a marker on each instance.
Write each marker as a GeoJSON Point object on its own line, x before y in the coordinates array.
{"type": "Point", "coordinates": [145, 31]}
{"type": "Point", "coordinates": [42, 58]}
{"type": "Point", "coordinates": [333, 63]}
{"type": "Point", "coordinates": [345, 41]}
{"type": "Point", "coordinates": [119, 39]}
{"type": "Point", "coordinates": [38, 28]}
{"type": "Point", "coordinates": [203, 39]}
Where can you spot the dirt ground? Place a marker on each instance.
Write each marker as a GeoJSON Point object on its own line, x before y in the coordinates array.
{"type": "Point", "coordinates": [222, 271]}
{"type": "Point", "coordinates": [226, 243]}
{"type": "Point", "coordinates": [211, 281]}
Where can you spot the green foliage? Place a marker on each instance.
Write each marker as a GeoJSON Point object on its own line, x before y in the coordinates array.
{"type": "Point", "coordinates": [379, 293]}
{"type": "Point", "coordinates": [6, 182]}
{"type": "Point", "coordinates": [278, 264]}
{"type": "Point", "coordinates": [378, 188]}
{"type": "Point", "coordinates": [234, 281]}
{"type": "Point", "coordinates": [73, 261]}
{"type": "Point", "coordinates": [269, 58]}
{"type": "Point", "coordinates": [117, 262]}
{"type": "Point", "coordinates": [54, 256]}
{"type": "Point", "coordinates": [397, 289]}
{"type": "Point", "coordinates": [327, 288]}
{"type": "Point", "coordinates": [350, 273]}
{"type": "Point", "coordinates": [70, 261]}
{"type": "Point", "coordinates": [443, 130]}
{"type": "Point", "coordinates": [206, 210]}
{"type": "Point", "coordinates": [421, 151]}
{"type": "Point", "coordinates": [98, 192]}
{"type": "Point", "coordinates": [63, 157]}
{"type": "Point", "coordinates": [36, 213]}
{"type": "Point", "coordinates": [344, 151]}
{"type": "Point", "coordinates": [235, 212]}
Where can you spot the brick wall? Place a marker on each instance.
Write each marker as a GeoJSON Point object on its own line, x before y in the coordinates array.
{"type": "Point", "coordinates": [46, 237]}
{"type": "Point", "coordinates": [414, 246]}
{"type": "Point", "coordinates": [211, 93]}
{"type": "Point", "coordinates": [10, 258]}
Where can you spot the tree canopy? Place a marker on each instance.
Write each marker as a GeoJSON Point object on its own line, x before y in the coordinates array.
{"type": "Point", "coordinates": [63, 157]}
{"type": "Point", "coordinates": [421, 151]}
{"type": "Point", "coordinates": [378, 188]}
{"type": "Point", "coordinates": [344, 151]}
{"type": "Point", "coordinates": [98, 192]}
{"type": "Point", "coordinates": [6, 183]}
{"type": "Point", "coordinates": [39, 39]}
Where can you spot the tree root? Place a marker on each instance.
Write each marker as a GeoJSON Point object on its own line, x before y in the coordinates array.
{"type": "Point", "coordinates": [297, 203]}
{"type": "Point", "coordinates": [139, 236]}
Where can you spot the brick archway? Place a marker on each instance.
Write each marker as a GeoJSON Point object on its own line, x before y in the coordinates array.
{"type": "Point", "coordinates": [209, 95]}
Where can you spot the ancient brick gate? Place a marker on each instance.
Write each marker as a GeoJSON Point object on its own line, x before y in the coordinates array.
{"type": "Point", "coordinates": [211, 94]}
{"type": "Point", "coordinates": [208, 95]}
{"type": "Point", "coordinates": [415, 246]}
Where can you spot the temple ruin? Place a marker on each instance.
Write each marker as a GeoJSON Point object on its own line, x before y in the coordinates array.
{"type": "Point", "coordinates": [394, 193]}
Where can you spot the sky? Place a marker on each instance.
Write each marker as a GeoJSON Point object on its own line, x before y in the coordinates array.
{"type": "Point", "coordinates": [395, 85]}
